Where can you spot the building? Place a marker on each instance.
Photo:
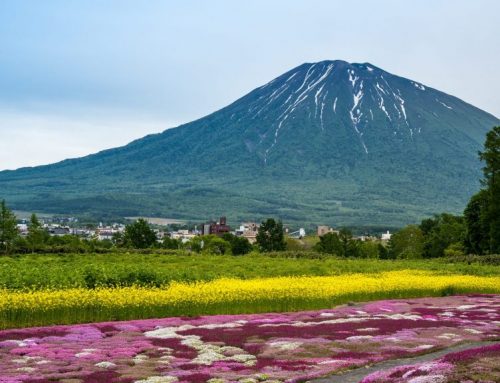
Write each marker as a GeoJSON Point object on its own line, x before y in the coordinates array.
{"type": "Point", "coordinates": [322, 230]}
{"type": "Point", "coordinates": [182, 235]}
{"type": "Point", "coordinates": [386, 236]}
{"type": "Point", "coordinates": [249, 231]}
{"type": "Point", "coordinates": [216, 228]}
{"type": "Point", "coordinates": [58, 231]}
{"type": "Point", "coordinates": [22, 228]}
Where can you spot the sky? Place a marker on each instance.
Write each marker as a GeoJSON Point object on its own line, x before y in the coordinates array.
{"type": "Point", "coordinates": [77, 77]}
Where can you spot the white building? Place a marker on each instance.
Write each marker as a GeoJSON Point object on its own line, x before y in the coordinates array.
{"type": "Point", "coordinates": [386, 236]}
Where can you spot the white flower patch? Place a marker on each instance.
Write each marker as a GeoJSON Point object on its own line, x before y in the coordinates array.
{"type": "Point", "coordinates": [367, 329]}
{"type": "Point", "coordinates": [165, 359]}
{"type": "Point", "coordinates": [105, 365]}
{"type": "Point", "coordinates": [167, 332]}
{"type": "Point", "coordinates": [401, 316]}
{"type": "Point", "coordinates": [428, 379]}
{"type": "Point", "coordinates": [486, 310]}
{"type": "Point", "coordinates": [448, 336]}
{"type": "Point", "coordinates": [210, 353]}
{"type": "Point", "coordinates": [158, 379]}
{"type": "Point", "coordinates": [427, 367]}
{"type": "Point", "coordinates": [424, 347]}
{"type": "Point", "coordinates": [26, 359]}
{"type": "Point", "coordinates": [327, 315]}
{"type": "Point", "coordinates": [248, 380]}
{"type": "Point", "coordinates": [223, 325]}
{"type": "Point", "coordinates": [286, 346]}
{"type": "Point", "coordinates": [447, 314]}
{"type": "Point", "coordinates": [26, 369]}
{"type": "Point", "coordinates": [85, 352]}
{"type": "Point", "coordinates": [359, 337]}
{"type": "Point", "coordinates": [472, 331]}
{"type": "Point", "coordinates": [141, 358]}
{"type": "Point", "coordinates": [19, 361]}
{"type": "Point", "coordinates": [331, 361]}
{"type": "Point", "coordinates": [207, 353]}
{"type": "Point", "coordinates": [216, 380]}
{"type": "Point", "coordinates": [330, 321]}
{"type": "Point", "coordinates": [465, 307]}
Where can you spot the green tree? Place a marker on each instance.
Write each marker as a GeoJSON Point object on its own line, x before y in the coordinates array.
{"type": "Point", "coordinates": [491, 170]}
{"type": "Point", "coordinates": [349, 246]}
{"type": "Point", "coordinates": [270, 236]}
{"type": "Point", "coordinates": [383, 252]}
{"type": "Point", "coordinates": [216, 245]}
{"type": "Point", "coordinates": [407, 243]}
{"type": "Point", "coordinates": [170, 243]}
{"type": "Point", "coordinates": [369, 249]}
{"type": "Point", "coordinates": [8, 228]}
{"type": "Point", "coordinates": [440, 232]}
{"type": "Point", "coordinates": [477, 235]}
{"type": "Point", "coordinates": [139, 235]}
{"type": "Point", "coordinates": [329, 243]}
{"type": "Point", "coordinates": [118, 239]}
{"type": "Point", "coordinates": [197, 243]}
{"type": "Point", "coordinates": [37, 235]}
{"type": "Point", "coordinates": [239, 245]}
{"type": "Point", "coordinates": [341, 244]}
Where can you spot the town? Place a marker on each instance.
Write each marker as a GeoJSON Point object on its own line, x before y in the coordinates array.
{"type": "Point", "coordinates": [63, 226]}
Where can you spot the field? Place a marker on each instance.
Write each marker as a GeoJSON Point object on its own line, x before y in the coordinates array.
{"type": "Point", "coordinates": [29, 272]}
{"type": "Point", "coordinates": [41, 290]}
{"type": "Point", "coordinates": [258, 329]}
{"type": "Point", "coordinates": [289, 347]}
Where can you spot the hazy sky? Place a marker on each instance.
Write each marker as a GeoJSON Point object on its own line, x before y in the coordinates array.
{"type": "Point", "coordinates": [80, 76]}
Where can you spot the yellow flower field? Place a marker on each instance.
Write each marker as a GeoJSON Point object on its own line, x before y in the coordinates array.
{"type": "Point", "coordinates": [228, 296]}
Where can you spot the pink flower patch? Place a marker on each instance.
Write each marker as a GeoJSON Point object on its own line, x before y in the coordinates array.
{"type": "Point", "coordinates": [285, 347]}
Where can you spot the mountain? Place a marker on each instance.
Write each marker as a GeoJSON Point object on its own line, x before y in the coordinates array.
{"type": "Point", "coordinates": [327, 142]}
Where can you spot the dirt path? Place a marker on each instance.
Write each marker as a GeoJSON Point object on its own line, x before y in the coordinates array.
{"type": "Point", "coordinates": [354, 376]}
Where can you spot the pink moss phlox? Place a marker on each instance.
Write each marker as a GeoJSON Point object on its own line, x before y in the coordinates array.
{"type": "Point", "coordinates": [284, 346]}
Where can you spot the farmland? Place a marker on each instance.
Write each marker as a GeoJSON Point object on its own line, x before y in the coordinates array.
{"type": "Point", "coordinates": [31, 272]}
{"type": "Point", "coordinates": [41, 290]}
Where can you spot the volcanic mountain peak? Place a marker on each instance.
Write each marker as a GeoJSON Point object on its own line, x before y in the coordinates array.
{"type": "Point", "coordinates": [329, 142]}
{"type": "Point", "coordinates": [332, 93]}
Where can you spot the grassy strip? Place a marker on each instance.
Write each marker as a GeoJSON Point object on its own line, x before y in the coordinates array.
{"type": "Point", "coordinates": [227, 296]}
{"type": "Point", "coordinates": [29, 272]}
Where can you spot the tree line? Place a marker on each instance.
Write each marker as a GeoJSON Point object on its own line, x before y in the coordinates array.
{"type": "Point", "coordinates": [476, 232]}
{"type": "Point", "coordinates": [138, 235]}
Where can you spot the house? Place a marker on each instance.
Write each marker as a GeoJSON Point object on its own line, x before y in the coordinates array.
{"type": "Point", "coordinates": [322, 230]}
{"type": "Point", "coordinates": [249, 231]}
{"type": "Point", "coordinates": [58, 231]}
{"type": "Point", "coordinates": [182, 235]}
{"type": "Point", "coordinates": [22, 228]}
{"type": "Point", "coordinates": [216, 228]}
{"type": "Point", "coordinates": [386, 236]}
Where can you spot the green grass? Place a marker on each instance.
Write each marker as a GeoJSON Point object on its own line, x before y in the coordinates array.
{"type": "Point", "coordinates": [32, 272]}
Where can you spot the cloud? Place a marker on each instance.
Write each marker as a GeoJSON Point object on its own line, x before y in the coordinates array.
{"type": "Point", "coordinates": [30, 139]}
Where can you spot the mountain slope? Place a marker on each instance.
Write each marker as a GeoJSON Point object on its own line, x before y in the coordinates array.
{"type": "Point", "coordinates": [328, 142]}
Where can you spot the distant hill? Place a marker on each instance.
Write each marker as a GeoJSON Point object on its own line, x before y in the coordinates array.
{"type": "Point", "coordinates": [328, 142]}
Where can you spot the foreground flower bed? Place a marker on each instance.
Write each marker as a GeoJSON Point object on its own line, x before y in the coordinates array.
{"type": "Point", "coordinates": [481, 364]}
{"type": "Point", "coordinates": [246, 348]}
{"type": "Point", "coordinates": [228, 296]}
